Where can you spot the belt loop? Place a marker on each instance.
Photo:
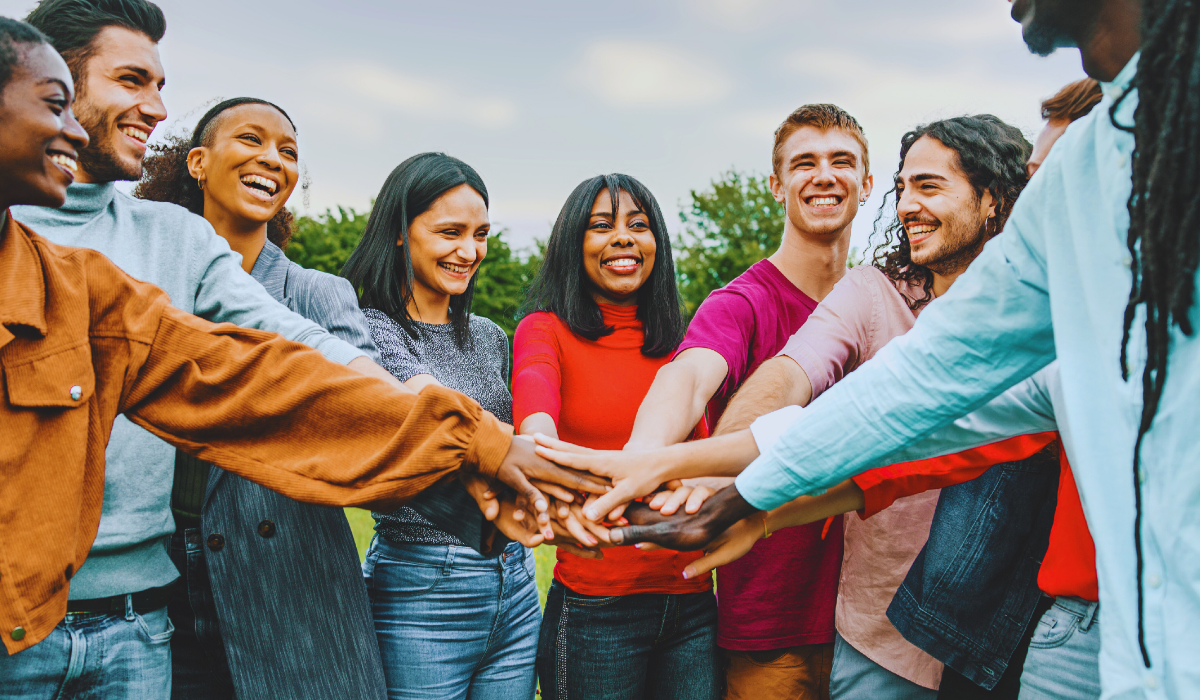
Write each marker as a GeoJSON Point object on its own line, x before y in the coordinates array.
{"type": "Point", "coordinates": [129, 607]}
{"type": "Point", "coordinates": [1089, 616]}
{"type": "Point", "coordinates": [449, 560]}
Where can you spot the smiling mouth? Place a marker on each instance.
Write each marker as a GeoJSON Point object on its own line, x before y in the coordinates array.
{"type": "Point", "coordinates": [823, 201]}
{"type": "Point", "coordinates": [65, 162]}
{"type": "Point", "coordinates": [455, 269]}
{"type": "Point", "coordinates": [260, 186]}
{"type": "Point", "coordinates": [136, 134]}
{"type": "Point", "coordinates": [622, 264]}
{"type": "Point", "coordinates": [919, 231]}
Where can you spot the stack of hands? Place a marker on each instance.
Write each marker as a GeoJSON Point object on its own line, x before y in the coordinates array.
{"type": "Point", "coordinates": [581, 500]}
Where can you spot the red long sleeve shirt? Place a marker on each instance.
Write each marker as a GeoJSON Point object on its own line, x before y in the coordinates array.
{"type": "Point", "coordinates": [592, 391]}
{"type": "Point", "coordinates": [1069, 567]}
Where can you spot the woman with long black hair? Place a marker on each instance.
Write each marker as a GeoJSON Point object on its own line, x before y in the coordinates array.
{"type": "Point", "coordinates": [451, 622]}
{"type": "Point", "coordinates": [601, 318]}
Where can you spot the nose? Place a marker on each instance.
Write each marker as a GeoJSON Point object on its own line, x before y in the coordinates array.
{"type": "Point", "coordinates": [466, 249]}
{"type": "Point", "coordinates": [823, 174]}
{"type": "Point", "coordinates": [152, 108]}
{"type": "Point", "coordinates": [270, 158]}
{"type": "Point", "coordinates": [622, 237]}
{"type": "Point", "coordinates": [73, 132]}
{"type": "Point", "coordinates": [907, 205]}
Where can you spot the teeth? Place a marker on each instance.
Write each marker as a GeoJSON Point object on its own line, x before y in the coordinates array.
{"type": "Point", "coordinates": [258, 180]}
{"type": "Point", "coordinates": [133, 132]}
{"type": "Point", "coordinates": [622, 262]}
{"type": "Point", "coordinates": [921, 228]}
{"type": "Point", "coordinates": [823, 201]}
{"type": "Point", "coordinates": [461, 269]}
{"type": "Point", "coordinates": [65, 161]}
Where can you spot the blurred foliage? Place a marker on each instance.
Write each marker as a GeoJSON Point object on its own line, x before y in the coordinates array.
{"type": "Point", "coordinates": [324, 242]}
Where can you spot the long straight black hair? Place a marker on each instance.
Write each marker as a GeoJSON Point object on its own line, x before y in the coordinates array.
{"type": "Point", "coordinates": [381, 270]}
{"type": "Point", "coordinates": [562, 286]}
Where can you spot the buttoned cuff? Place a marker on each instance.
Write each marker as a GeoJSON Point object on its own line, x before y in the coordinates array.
{"type": "Point", "coordinates": [490, 444]}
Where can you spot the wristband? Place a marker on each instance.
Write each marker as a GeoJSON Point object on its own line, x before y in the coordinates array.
{"type": "Point", "coordinates": [766, 532]}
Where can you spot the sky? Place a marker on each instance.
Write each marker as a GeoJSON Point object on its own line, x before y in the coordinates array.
{"type": "Point", "coordinates": [539, 95]}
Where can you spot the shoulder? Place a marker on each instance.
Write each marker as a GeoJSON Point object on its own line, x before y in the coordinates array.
{"type": "Point", "coordinates": [308, 282]}
{"type": "Point", "coordinates": [540, 322]}
{"type": "Point", "coordinates": [380, 323]}
{"type": "Point", "coordinates": [163, 213]}
{"type": "Point", "coordinates": [485, 328]}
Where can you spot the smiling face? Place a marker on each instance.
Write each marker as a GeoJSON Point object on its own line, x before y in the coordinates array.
{"type": "Point", "coordinates": [249, 165]}
{"type": "Point", "coordinates": [941, 213]}
{"type": "Point", "coordinates": [821, 181]}
{"type": "Point", "coordinates": [618, 249]}
{"type": "Point", "coordinates": [446, 244]}
{"type": "Point", "coordinates": [39, 138]}
{"type": "Point", "coordinates": [119, 104]}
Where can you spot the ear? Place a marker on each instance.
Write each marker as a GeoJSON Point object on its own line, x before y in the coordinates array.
{"type": "Point", "coordinates": [777, 190]}
{"type": "Point", "coordinates": [400, 240]}
{"type": "Point", "coordinates": [868, 186]}
{"type": "Point", "coordinates": [989, 204]}
{"type": "Point", "coordinates": [195, 162]}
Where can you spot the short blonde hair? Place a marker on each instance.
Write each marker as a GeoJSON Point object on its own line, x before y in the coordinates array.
{"type": "Point", "coordinates": [824, 117]}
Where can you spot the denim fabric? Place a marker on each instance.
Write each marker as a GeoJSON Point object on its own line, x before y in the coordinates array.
{"type": "Point", "coordinates": [198, 663]}
{"type": "Point", "coordinates": [94, 657]}
{"type": "Point", "coordinates": [1064, 656]}
{"type": "Point", "coordinates": [970, 596]}
{"type": "Point", "coordinates": [855, 677]}
{"type": "Point", "coordinates": [632, 646]}
{"type": "Point", "coordinates": [452, 624]}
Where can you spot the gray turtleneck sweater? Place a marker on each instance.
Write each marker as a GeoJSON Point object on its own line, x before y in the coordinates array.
{"type": "Point", "coordinates": [178, 251]}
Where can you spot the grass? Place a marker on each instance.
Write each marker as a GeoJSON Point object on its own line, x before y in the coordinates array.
{"type": "Point", "coordinates": [363, 528]}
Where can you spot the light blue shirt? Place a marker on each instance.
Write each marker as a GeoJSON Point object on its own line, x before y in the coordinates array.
{"type": "Point", "coordinates": [1054, 284]}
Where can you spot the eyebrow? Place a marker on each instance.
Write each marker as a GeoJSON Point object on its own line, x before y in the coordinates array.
{"type": "Point", "coordinates": [145, 74]}
{"type": "Point", "coordinates": [835, 154]}
{"type": "Point", "coordinates": [60, 84]}
{"type": "Point", "coordinates": [924, 177]}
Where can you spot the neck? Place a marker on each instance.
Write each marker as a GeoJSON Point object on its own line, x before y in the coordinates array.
{"type": "Point", "coordinates": [429, 306]}
{"type": "Point", "coordinates": [942, 282]}
{"type": "Point", "coordinates": [814, 264]}
{"type": "Point", "coordinates": [1116, 36]}
{"type": "Point", "coordinates": [245, 237]}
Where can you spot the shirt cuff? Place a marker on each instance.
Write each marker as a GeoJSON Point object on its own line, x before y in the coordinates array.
{"type": "Point", "coordinates": [768, 428]}
{"type": "Point", "coordinates": [490, 444]}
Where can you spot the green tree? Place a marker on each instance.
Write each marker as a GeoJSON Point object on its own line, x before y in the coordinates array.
{"type": "Point", "coordinates": [726, 229]}
{"type": "Point", "coordinates": [324, 242]}
{"type": "Point", "coordinates": [503, 279]}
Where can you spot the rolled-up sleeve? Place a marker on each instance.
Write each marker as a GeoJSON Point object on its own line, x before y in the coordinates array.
{"type": "Point", "coordinates": [990, 331]}
{"type": "Point", "coordinates": [279, 414]}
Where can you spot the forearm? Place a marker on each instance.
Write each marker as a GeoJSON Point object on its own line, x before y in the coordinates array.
{"type": "Point", "coordinates": [539, 423]}
{"type": "Point", "coordinates": [726, 455]}
{"type": "Point", "coordinates": [671, 409]}
{"type": "Point", "coordinates": [279, 414]}
{"type": "Point", "coordinates": [843, 498]}
{"type": "Point", "coordinates": [778, 382]}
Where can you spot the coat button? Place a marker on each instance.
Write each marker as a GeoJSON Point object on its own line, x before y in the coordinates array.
{"type": "Point", "coordinates": [266, 528]}
{"type": "Point", "coordinates": [216, 542]}
{"type": "Point", "coordinates": [76, 392]}
{"type": "Point", "coordinates": [18, 634]}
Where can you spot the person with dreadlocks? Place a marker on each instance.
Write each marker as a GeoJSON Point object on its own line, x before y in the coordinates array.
{"type": "Point", "coordinates": [1097, 268]}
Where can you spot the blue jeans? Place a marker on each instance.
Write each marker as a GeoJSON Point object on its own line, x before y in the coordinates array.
{"type": "Point", "coordinates": [93, 655]}
{"type": "Point", "coordinates": [1064, 656]}
{"type": "Point", "coordinates": [199, 666]}
{"type": "Point", "coordinates": [631, 646]}
{"type": "Point", "coordinates": [857, 677]}
{"type": "Point", "coordinates": [453, 624]}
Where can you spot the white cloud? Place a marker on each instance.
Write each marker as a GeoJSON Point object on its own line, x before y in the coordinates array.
{"type": "Point", "coordinates": [648, 75]}
{"type": "Point", "coordinates": [740, 15]}
{"type": "Point", "coordinates": [416, 96]}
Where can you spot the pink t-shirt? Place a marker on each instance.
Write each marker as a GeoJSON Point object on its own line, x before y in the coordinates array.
{"type": "Point", "coordinates": [863, 312]}
{"type": "Point", "coordinates": [783, 592]}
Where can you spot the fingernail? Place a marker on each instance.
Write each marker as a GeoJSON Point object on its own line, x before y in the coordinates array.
{"type": "Point", "coordinates": [591, 541]}
{"type": "Point", "coordinates": [590, 513]}
{"type": "Point", "coordinates": [685, 574]}
{"type": "Point", "coordinates": [541, 505]}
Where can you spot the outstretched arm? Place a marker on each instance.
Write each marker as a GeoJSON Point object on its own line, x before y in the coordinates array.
{"type": "Point", "coordinates": [778, 382]}
{"type": "Point", "coordinates": [676, 400]}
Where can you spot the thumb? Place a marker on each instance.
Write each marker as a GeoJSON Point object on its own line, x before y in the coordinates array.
{"type": "Point", "coordinates": [711, 560]}
{"type": "Point", "coordinates": [621, 494]}
{"type": "Point", "coordinates": [633, 534]}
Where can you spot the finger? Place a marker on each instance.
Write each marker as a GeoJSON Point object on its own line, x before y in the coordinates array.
{"type": "Point", "coordinates": [700, 494]}
{"type": "Point", "coordinates": [677, 499]}
{"type": "Point", "coordinates": [647, 546]}
{"type": "Point", "coordinates": [567, 476]}
{"type": "Point", "coordinates": [580, 551]}
{"type": "Point", "coordinates": [659, 500]}
{"type": "Point", "coordinates": [633, 534]}
{"type": "Point", "coordinates": [620, 495]}
{"type": "Point", "coordinates": [596, 529]}
{"type": "Point", "coordinates": [527, 493]}
{"type": "Point", "coordinates": [554, 490]}
{"type": "Point", "coordinates": [673, 484]}
{"type": "Point", "coordinates": [560, 445]}
{"type": "Point", "coordinates": [578, 532]}
{"type": "Point", "coordinates": [720, 556]}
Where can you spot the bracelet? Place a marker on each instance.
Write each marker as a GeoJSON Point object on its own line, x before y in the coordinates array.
{"type": "Point", "coordinates": [766, 532]}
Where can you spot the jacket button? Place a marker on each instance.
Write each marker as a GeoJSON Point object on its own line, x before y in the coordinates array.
{"type": "Point", "coordinates": [18, 634]}
{"type": "Point", "coordinates": [216, 542]}
{"type": "Point", "coordinates": [76, 392]}
{"type": "Point", "coordinates": [266, 528]}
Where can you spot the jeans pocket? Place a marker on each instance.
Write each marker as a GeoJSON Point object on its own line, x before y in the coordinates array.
{"type": "Point", "coordinates": [404, 579]}
{"type": "Point", "coordinates": [156, 626]}
{"type": "Point", "coordinates": [1054, 629]}
{"type": "Point", "coordinates": [589, 601]}
{"type": "Point", "coordinates": [531, 564]}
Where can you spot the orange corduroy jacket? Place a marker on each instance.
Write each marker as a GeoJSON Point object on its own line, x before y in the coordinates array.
{"type": "Point", "coordinates": [81, 341]}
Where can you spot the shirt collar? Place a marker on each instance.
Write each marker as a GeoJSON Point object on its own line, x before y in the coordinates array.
{"type": "Point", "coordinates": [1120, 84]}
{"type": "Point", "coordinates": [24, 300]}
{"type": "Point", "coordinates": [270, 270]}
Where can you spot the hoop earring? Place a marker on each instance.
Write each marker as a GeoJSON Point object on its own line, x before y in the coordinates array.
{"type": "Point", "coordinates": [200, 183]}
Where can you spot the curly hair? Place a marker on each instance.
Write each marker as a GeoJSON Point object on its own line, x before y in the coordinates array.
{"type": "Point", "coordinates": [991, 153]}
{"type": "Point", "coordinates": [165, 176]}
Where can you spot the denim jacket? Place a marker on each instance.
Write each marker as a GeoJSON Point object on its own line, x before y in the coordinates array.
{"type": "Point", "coordinates": [971, 593]}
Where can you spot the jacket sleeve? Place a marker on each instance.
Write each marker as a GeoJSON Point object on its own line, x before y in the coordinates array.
{"type": "Point", "coordinates": [881, 487]}
{"type": "Point", "coordinates": [279, 414]}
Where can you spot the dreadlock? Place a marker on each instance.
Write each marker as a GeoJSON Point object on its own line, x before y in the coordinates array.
{"type": "Point", "coordinates": [991, 153]}
{"type": "Point", "coordinates": [1164, 213]}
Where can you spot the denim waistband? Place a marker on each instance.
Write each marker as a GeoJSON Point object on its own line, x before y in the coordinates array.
{"type": "Point", "coordinates": [449, 555]}
{"type": "Point", "coordinates": [1085, 610]}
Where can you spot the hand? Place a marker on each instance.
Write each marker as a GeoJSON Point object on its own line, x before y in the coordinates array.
{"type": "Point", "coordinates": [689, 493]}
{"type": "Point", "coordinates": [683, 533]}
{"type": "Point", "coordinates": [521, 464]}
{"type": "Point", "coordinates": [731, 545]}
{"type": "Point", "coordinates": [633, 474]}
{"type": "Point", "coordinates": [516, 524]}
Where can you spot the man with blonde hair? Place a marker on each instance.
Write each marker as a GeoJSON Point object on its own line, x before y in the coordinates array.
{"type": "Point", "coordinates": [775, 626]}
